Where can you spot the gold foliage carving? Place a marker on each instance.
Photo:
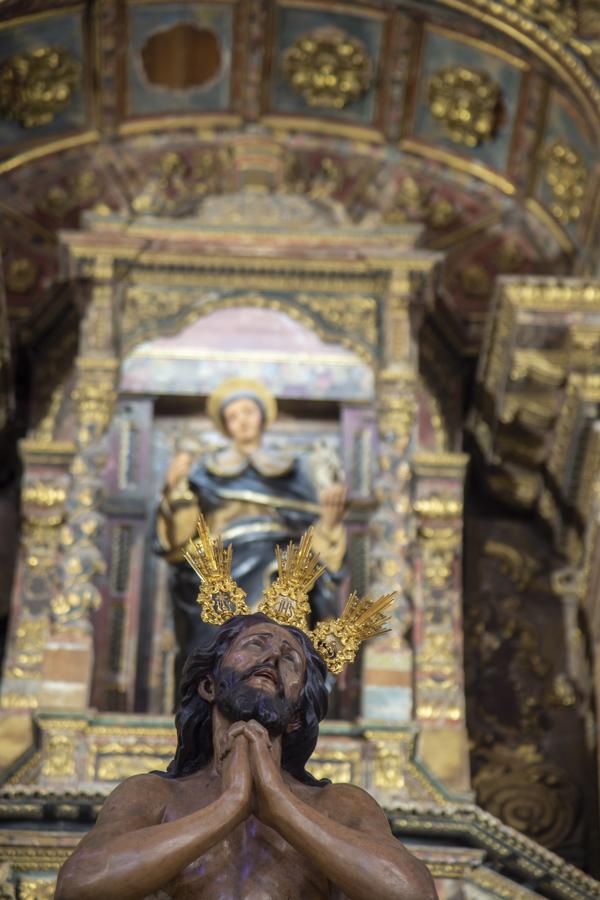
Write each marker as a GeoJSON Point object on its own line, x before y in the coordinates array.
{"type": "Point", "coordinates": [475, 280]}
{"type": "Point", "coordinates": [410, 202]}
{"type": "Point", "coordinates": [519, 566]}
{"type": "Point", "coordinates": [95, 396]}
{"type": "Point", "coordinates": [36, 888]}
{"type": "Point", "coordinates": [14, 700]}
{"type": "Point", "coordinates": [352, 316]}
{"type": "Point", "coordinates": [34, 86]}
{"type": "Point", "coordinates": [352, 313]}
{"type": "Point", "coordinates": [441, 214]}
{"type": "Point", "coordinates": [328, 68]}
{"type": "Point", "coordinates": [116, 768]}
{"type": "Point", "coordinates": [439, 506]}
{"type": "Point", "coordinates": [528, 794]}
{"type": "Point", "coordinates": [466, 102]}
{"type": "Point", "coordinates": [397, 407]}
{"type": "Point", "coordinates": [59, 757]}
{"type": "Point", "coordinates": [338, 772]}
{"type": "Point", "coordinates": [534, 367]}
{"type": "Point", "coordinates": [553, 293]}
{"type": "Point", "coordinates": [176, 188]}
{"type": "Point", "coordinates": [337, 765]}
{"type": "Point", "coordinates": [44, 493]}
{"type": "Point", "coordinates": [80, 190]}
{"type": "Point", "coordinates": [388, 772]}
{"type": "Point", "coordinates": [21, 274]}
{"type": "Point", "coordinates": [566, 175]}
{"type": "Point", "coordinates": [29, 644]}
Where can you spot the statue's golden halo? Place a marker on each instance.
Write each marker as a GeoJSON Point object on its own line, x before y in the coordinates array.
{"type": "Point", "coordinates": [234, 388]}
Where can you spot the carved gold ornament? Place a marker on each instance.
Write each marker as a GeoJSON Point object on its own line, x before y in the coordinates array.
{"type": "Point", "coordinates": [34, 86]}
{"type": "Point", "coordinates": [21, 274]}
{"type": "Point", "coordinates": [220, 597]}
{"type": "Point", "coordinates": [338, 640]}
{"type": "Point", "coordinates": [59, 758]}
{"type": "Point", "coordinates": [286, 600]}
{"type": "Point", "coordinates": [475, 280]}
{"type": "Point", "coordinates": [37, 888]}
{"type": "Point", "coordinates": [566, 174]}
{"type": "Point", "coordinates": [466, 102]}
{"type": "Point", "coordinates": [329, 68]}
{"type": "Point", "coordinates": [527, 793]}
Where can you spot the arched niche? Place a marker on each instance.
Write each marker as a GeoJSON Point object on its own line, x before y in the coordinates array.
{"type": "Point", "coordinates": [325, 394]}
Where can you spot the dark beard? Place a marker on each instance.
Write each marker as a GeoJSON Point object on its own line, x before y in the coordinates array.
{"type": "Point", "coordinates": [239, 701]}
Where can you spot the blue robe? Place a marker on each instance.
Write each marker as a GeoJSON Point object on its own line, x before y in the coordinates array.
{"type": "Point", "coordinates": [290, 507]}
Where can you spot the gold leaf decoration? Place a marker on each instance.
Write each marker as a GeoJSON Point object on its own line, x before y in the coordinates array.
{"type": "Point", "coordinates": [34, 86]}
{"type": "Point", "coordinates": [566, 174]}
{"type": "Point", "coordinates": [329, 68]}
{"type": "Point", "coordinates": [467, 103]}
{"type": "Point", "coordinates": [21, 274]}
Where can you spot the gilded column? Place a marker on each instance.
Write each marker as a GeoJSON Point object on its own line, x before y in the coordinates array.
{"type": "Point", "coordinates": [387, 663]}
{"type": "Point", "coordinates": [437, 616]}
{"type": "Point", "coordinates": [44, 492]}
{"type": "Point", "coordinates": [68, 656]}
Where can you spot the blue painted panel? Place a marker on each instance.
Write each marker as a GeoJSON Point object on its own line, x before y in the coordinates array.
{"type": "Point", "coordinates": [441, 51]}
{"type": "Point", "coordinates": [295, 23]}
{"type": "Point", "coordinates": [393, 704]}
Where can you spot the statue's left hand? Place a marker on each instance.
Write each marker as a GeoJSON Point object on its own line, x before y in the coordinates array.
{"type": "Point", "coordinates": [268, 781]}
{"type": "Point", "coordinates": [333, 503]}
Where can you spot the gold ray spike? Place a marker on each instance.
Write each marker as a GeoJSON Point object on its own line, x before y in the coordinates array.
{"type": "Point", "coordinates": [338, 640]}
{"type": "Point", "coordinates": [286, 600]}
{"type": "Point", "coordinates": [219, 596]}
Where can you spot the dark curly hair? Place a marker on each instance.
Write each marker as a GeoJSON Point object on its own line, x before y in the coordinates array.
{"type": "Point", "coordinates": [194, 718]}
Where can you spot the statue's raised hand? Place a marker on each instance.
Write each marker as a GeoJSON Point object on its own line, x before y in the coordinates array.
{"type": "Point", "coordinates": [333, 503]}
{"type": "Point", "coordinates": [179, 470]}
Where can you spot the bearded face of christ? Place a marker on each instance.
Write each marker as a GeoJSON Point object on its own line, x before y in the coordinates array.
{"type": "Point", "coordinates": [261, 677]}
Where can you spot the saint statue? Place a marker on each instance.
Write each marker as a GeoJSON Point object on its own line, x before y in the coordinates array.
{"type": "Point", "coordinates": [237, 816]}
{"type": "Point", "coordinates": [256, 499]}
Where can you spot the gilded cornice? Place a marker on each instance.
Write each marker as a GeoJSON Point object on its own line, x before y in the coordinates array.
{"type": "Point", "coordinates": [537, 400]}
{"type": "Point", "coordinates": [478, 843]}
{"type": "Point", "coordinates": [524, 859]}
{"type": "Point", "coordinates": [440, 465]}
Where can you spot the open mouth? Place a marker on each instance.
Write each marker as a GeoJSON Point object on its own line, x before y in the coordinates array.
{"type": "Point", "coordinates": [266, 675]}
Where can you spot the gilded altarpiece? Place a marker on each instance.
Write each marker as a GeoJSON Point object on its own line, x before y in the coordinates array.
{"type": "Point", "coordinates": [364, 291]}
{"type": "Point", "coordinates": [361, 290]}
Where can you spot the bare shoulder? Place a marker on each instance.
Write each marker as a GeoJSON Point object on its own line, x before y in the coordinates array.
{"type": "Point", "coordinates": [140, 799]}
{"type": "Point", "coordinates": [353, 806]}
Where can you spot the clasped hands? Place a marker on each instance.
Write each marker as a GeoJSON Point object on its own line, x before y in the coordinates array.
{"type": "Point", "coordinates": [251, 777]}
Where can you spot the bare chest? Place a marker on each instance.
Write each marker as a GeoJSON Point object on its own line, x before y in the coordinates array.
{"type": "Point", "coordinates": [252, 863]}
